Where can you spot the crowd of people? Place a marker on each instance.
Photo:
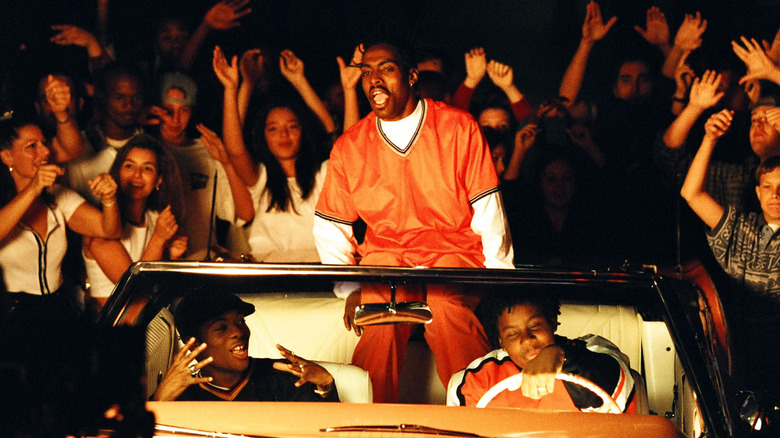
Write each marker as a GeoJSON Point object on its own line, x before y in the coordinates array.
{"type": "Point", "coordinates": [102, 171]}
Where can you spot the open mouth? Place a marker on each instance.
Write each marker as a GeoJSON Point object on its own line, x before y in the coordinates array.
{"type": "Point", "coordinates": [240, 351]}
{"type": "Point", "coordinates": [379, 97]}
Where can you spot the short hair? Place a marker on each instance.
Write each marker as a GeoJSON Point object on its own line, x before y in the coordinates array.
{"type": "Point", "coordinates": [767, 166]}
{"type": "Point", "coordinates": [404, 54]}
{"type": "Point", "coordinates": [118, 69]}
{"type": "Point", "coordinates": [505, 298]}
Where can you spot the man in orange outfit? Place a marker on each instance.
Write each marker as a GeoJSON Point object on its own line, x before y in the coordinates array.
{"type": "Point", "coordinates": [419, 173]}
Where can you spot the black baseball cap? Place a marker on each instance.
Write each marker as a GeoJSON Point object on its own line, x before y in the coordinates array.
{"type": "Point", "coordinates": [198, 308]}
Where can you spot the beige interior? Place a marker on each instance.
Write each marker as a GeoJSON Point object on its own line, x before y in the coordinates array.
{"type": "Point", "coordinates": [311, 325]}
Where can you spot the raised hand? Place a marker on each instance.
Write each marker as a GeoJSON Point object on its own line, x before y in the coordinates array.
{"type": "Point", "coordinates": [181, 374]}
{"type": "Point", "coordinates": [291, 66]}
{"type": "Point", "coordinates": [104, 187]}
{"type": "Point", "coordinates": [213, 144]}
{"type": "Point", "coordinates": [683, 76]}
{"type": "Point", "coordinates": [773, 50]}
{"type": "Point", "coordinates": [350, 74]}
{"type": "Point", "coordinates": [160, 115]}
{"type": "Point", "coordinates": [704, 91]}
{"type": "Point", "coordinates": [70, 35]}
{"type": "Point", "coordinates": [594, 28]}
{"type": "Point", "coordinates": [476, 66]}
{"type": "Point", "coordinates": [225, 14]}
{"type": "Point", "coordinates": [226, 73]}
{"type": "Point", "coordinates": [758, 64]}
{"type": "Point", "coordinates": [501, 74]}
{"type": "Point", "coordinates": [526, 137]}
{"type": "Point", "coordinates": [307, 371]}
{"type": "Point", "coordinates": [752, 90]}
{"type": "Point", "coordinates": [656, 31]}
{"type": "Point", "coordinates": [689, 34]}
{"type": "Point", "coordinates": [251, 65]}
{"type": "Point", "coordinates": [58, 95]}
{"type": "Point", "coordinates": [718, 124]}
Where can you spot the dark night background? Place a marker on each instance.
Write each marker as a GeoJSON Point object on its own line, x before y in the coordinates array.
{"type": "Point", "coordinates": [535, 37]}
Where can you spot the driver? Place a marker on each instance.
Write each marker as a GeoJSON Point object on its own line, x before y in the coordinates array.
{"type": "Point", "coordinates": [224, 370]}
{"type": "Point", "coordinates": [524, 324]}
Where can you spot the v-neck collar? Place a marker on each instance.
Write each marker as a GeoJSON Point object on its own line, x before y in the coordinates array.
{"type": "Point", "coordinates": [404, 151]}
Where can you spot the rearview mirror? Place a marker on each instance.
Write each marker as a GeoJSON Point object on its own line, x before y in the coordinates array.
{"type": "Point", "coordinates": [412, 312]}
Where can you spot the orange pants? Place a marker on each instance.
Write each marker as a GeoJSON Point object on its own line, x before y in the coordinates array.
{"type": "Point", "coordinates": [455, 336]}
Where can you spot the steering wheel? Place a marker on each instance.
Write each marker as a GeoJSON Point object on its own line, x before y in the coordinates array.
{"type": "Point", "coordinates": [512, 383]}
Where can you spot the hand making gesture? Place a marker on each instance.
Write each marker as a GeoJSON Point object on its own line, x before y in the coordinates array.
{"type": "Point", "coordinates": [656, 31]}
{"type": "Point", "coordinates": [306, 371]}
{"type": "Point", "coordinates": [594, 28]}
{"type": "Point", "coordinates": [182, 373]}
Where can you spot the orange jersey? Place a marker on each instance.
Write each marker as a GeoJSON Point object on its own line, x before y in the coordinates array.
{"type": "Point", "coordinates": [415, 199]}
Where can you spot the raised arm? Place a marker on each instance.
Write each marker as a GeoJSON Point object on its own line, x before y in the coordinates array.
{"type": "Point", "coordinates": [292, 69]}
{"type": "Point", "coordinates": [251, 67]}
{"type": "Point", "coordinates": [67, 144]}
{"type": "Point", "coordinates": [182, 373]}
{"type": "Point", "coordinates": [350, 76]}
{"type": "Point", "coordinates": [683, 79]}
{"type": "Point", "coordinates": [704, 205]}
{"type": "Point", "coordinates": [476, 68]}
{"type": "Point", "coordinates": [656, 30]}
{"type": "Point", "coordinates": [242, 199]}
{"type": "Point", "coordinates": [503, 76]}
{"type": "Point", "coordinates": [231, 123]}
{"type": "Point", "coordinates": [524, 139]}
{"type": "Point", "coordinates": [704, 94]}
{"type": "Point", "coordinates": [593, 29]}
{"type": "Point", "coordinates": [70, 35]}
{"type": "Point", "coordinates": [687, 39]}
{"type": "Point", "coordinates": [222, 16]}
{"type": "Point", "coordinates": [89, 221]}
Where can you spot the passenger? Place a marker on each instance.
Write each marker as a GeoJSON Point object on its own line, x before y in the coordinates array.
{"type": "Point", "coordinates": [34, 213]}
{"type": "Point", "coordinates": [224, 369]}
{"type": "Point", "coordinates": [524, 326]}
{"type": "Point", "coordinates": [287, 182]}
{"type": "Point", "coordinates": [149, 201]}
{"type": "Point", "coordinates": [419, 173]}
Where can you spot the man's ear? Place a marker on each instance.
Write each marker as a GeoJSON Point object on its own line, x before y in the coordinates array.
{"type": "Point", "coordinates": [413, 76]}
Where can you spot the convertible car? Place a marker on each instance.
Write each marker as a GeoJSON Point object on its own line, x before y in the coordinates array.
{"type": "Point", "coordinates": [672, 329]}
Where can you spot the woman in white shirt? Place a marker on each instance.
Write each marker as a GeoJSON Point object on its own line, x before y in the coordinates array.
{"type": "Point", "coordinates": [149, 200]}
{"type": "Point", "coordinates": [34, 212]}
{"type": "Point", "coordinates": [287, 181]}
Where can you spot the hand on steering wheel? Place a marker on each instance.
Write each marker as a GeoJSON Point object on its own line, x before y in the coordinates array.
{"type": "Point", "coordinates": [512, 383]}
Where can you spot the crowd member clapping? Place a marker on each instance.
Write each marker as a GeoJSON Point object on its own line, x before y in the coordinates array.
{"type": "Point", "coordinates": [33, 217]}
{"type": "Point", "coordinates": [149, 199]}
